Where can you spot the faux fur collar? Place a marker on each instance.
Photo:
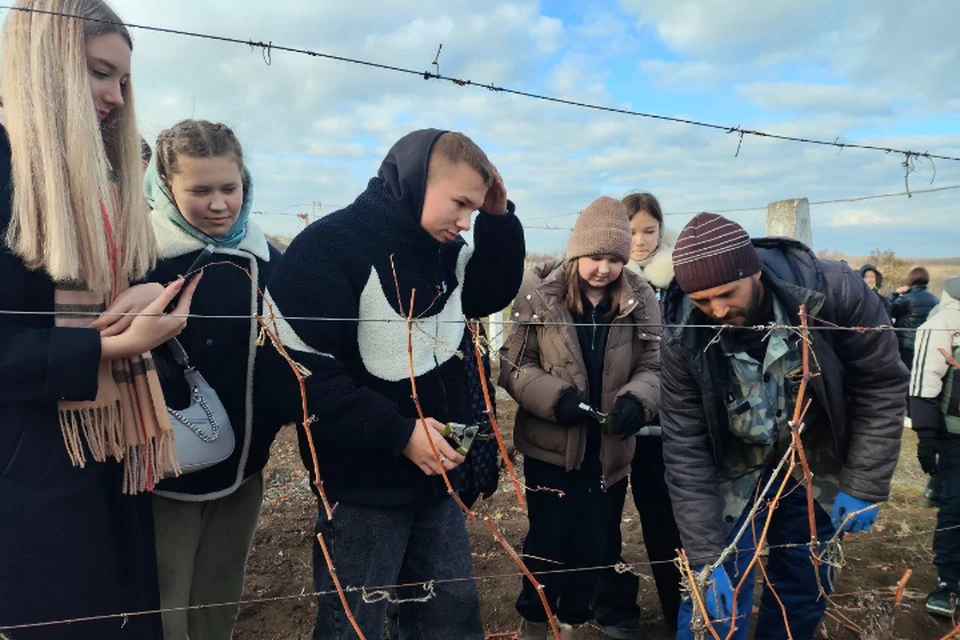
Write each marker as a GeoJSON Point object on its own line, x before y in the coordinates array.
{"type": "Point", "coordinates": [658, 270]}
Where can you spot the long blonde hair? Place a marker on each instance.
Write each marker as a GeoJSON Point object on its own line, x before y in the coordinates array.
{"type": "Point", "coordinates": [66, 163]}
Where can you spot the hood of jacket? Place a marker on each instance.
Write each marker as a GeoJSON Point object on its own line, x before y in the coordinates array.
{"type": "Point", "coordinates": [162, 203]}
{"type": "Point", "coordinates": [870, 267]}
{"type": "Point", "coordinates": [405, 169]}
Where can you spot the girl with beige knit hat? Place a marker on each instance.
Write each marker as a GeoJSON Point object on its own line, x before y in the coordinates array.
{"type": "Point", "coordinates": [615, 606]}
{"type": "Point", "coordinates": [583, 364]}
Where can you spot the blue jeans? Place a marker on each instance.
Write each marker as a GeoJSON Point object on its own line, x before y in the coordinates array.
{"type": "Point", "coordinates": [380, 546]}
{"type": "Point", "coordinates": [789, 569]}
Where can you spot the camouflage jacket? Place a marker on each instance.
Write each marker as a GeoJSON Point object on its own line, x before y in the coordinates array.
{"type": "Point", "coordinates": [759, 405]}
{"type": "Point", "coordinates": [860, 395]}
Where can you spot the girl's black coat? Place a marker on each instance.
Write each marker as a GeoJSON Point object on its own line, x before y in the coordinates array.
{"type": "Point", "coordinates": [71, 545]}
{"type": "Point", "coordinates": [223, 350]}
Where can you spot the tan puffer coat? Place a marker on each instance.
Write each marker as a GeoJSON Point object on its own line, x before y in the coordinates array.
{"type": "Point", "coordinates": [542, 359]}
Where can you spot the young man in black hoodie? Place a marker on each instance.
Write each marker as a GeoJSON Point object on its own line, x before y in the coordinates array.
{"type": "Point", "coordinates": [394, 522]}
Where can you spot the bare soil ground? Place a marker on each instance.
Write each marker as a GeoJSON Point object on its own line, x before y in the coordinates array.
{"type": "Point", "coordinates": [280, 564]}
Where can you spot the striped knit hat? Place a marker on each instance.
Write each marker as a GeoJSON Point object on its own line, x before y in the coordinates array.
{"type": "Point", "coordinates": [713, 251]}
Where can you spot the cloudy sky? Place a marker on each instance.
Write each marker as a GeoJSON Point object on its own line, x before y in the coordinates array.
{"type": "Point", "coordinates": [869, 71]}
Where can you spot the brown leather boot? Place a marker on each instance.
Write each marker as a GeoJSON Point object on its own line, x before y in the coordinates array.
{"type": "Point", "coordinates": [533, 630]}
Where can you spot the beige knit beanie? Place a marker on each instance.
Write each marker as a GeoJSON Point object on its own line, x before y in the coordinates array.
{"type": "Point", "coordinates": [601, 229]}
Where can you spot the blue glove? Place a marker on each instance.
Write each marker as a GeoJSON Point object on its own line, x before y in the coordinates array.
{"type": "Point", "coordinates": [846, 503]}
{"type": "Point", "coordinates": [719, 595]}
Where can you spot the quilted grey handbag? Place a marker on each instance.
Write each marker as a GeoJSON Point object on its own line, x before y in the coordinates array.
{"type": "Point", "coordinates": [202, 431]}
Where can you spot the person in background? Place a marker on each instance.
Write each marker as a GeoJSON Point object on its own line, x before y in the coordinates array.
{"type": "Point", "coordinates": [874, 279]}
{"type": "Point", "coordinates": [910, 305]}
{"type": "Point", "coordinates": [85, 433]}
{"type": "Point", "coordinates": [586, 333]}
{"type": "Point", "coordinates": [935, 414]}
{"type": "Point", "coordinates": [615, 606]}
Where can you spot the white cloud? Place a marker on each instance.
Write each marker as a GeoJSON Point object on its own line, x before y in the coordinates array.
{"type": "Point", "coordinates": [316, 129]}
{"type": "Point", "coordinates": [699, 75]}
{"type": "Point", "coordinates": [823, 98]}
{"type": "Point", "coordinates": [903, 47]}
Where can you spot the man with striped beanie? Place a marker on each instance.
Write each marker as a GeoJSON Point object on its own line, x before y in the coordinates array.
{"type": "Point", "coordinates": [731, 369]}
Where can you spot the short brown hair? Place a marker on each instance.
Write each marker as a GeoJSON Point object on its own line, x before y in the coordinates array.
{"type": "Point", "coordinates": [917, 276]}
{"type": "Point", "coordinates": [643, 201]}
{"type": "Point", "coordinates": [197, 139]}
{"type": "Point", "coordinates": [453, 147]}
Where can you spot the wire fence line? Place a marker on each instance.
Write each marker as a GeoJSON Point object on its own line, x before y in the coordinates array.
{"type": "Point", "coordinates": [267, 48]}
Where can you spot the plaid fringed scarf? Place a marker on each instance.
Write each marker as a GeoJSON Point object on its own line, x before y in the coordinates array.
{"type": "Point", "coordinates": [128, 420]}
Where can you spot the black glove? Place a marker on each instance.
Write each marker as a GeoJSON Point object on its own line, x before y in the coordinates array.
{"type": "Point", "coordinates": [568, 411]}
{"type": "Point", "coordinates": [928, 451]}
{"type": "Point", "coordinates": [627, 418]}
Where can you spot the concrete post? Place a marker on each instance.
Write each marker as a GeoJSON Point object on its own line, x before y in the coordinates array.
{"type": "Point", "coordinates": [495, 333]}
{"type": "Point", "coordinates": [790, 218]}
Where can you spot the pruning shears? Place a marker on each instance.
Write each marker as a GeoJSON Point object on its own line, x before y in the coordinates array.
{"type": "Point", "coordinates": [603, 419]}
{"type": "Point", "coordinates": [599, 416]}
{"type": "Point", "coordinates": [462, 436]}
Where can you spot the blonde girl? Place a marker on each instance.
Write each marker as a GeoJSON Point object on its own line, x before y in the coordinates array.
{"type": "Point", "coordinates": [83, 427]}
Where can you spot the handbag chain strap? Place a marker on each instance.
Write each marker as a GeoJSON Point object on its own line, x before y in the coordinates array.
{"type": "Point", "coordinates": [215, 425]}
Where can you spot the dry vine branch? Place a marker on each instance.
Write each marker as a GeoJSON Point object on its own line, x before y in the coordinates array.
{"type": "Point", "coordinates": [795, 453]}
{"type": "Point", "coordinates": [491, 414]}
{"type": "Point", "coordinates": [336, 584]}
{"type": "Point", "coordinates": [755, 559]}
{"type": "Point", "coordinates": [844, 622]}
{"type": "Point", "coordinates": [799, 412]}
{"type": "Point", "coordinates": [413, 387]}
{"type": "Point", "coordinates": [901, 586]}
{"type": "Point", "coordinates": [269, 331]}
{"type": "Point", "coordinates": [470, 514]}
{"type": "Point", "coordinates": [769, 585]}
{"type": "Point", "coordinates": [697, 597]}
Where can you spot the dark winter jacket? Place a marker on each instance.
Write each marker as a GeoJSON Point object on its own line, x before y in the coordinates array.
{"type": "Point", "coordinates": [71, 545]}
{"type": "Point", "coordinates": [909, 311]}
{"type": "Point", "coordinates": [879, 276]}
{"type": "Point", "coordinates": [359, 389]}
{"type": "Point", "coordinates": [543, 359]}
{"type": "Point", "coordinates": [223, 350]}
{"type": "Point", "coordinates": [861, 393]}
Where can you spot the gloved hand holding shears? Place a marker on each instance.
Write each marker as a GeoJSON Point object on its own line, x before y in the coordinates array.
{"type": "Point", "coordinates": [628, 418]}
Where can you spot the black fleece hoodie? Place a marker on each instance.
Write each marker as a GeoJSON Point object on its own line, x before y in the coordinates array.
{"type": "Point", "coordinates": [342, 267]}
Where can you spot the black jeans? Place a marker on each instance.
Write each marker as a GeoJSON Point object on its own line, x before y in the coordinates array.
{"type": "Point", "coordinates": [946, 539]}
{"type": "Point", "coordinates": [377, 546]}
{"type": "Point", "coordinates": [616, 597]}
{"type": "Point", "coordinates": [566, 532]}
